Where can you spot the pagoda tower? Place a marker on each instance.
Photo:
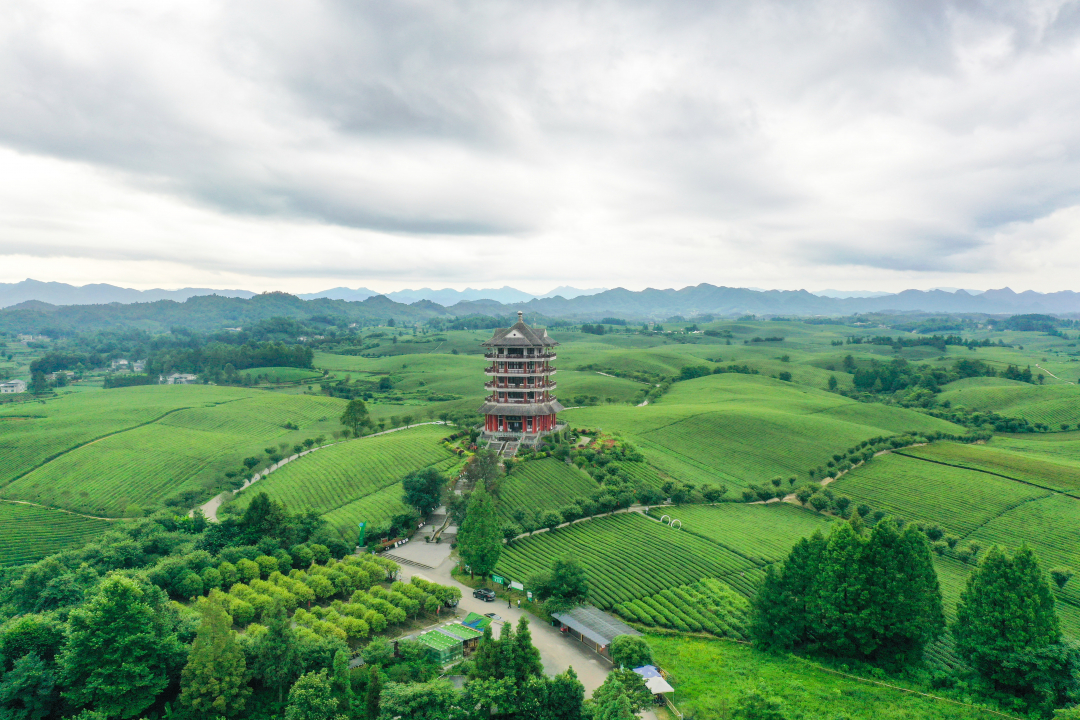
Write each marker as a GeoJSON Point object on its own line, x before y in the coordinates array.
{"type": "Point", "coordinates": [521, 406]}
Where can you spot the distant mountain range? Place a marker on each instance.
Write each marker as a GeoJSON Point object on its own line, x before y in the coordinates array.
{"type": "Point", "coordinates": [88, 306]}
{"type": "Point", "coordinates": [56, 293]}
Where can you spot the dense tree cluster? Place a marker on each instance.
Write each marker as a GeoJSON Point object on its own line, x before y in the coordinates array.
{"type": "Point", "coordinates": [871, 596]}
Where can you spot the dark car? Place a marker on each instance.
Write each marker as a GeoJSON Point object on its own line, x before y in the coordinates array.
{"type": "Point", "coordinates": [484, 594]}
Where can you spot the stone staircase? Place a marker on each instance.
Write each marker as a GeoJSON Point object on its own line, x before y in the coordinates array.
{"type": "Point", "coordinates": [510, 450]}
{"type": "Point", "coordinates": [406, 561]}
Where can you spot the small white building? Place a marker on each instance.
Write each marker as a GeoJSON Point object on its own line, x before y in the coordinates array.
{"type": "Point", "coordinates": [120, 365]}
{"type": "Point", "coordinates": [177, 379]}
{"type": "Point", "coordinates": [13, 386]}
{"type": "Point", "coordinates": [138, 366]}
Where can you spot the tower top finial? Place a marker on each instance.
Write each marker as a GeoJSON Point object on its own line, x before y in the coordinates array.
{"type": "Point", "coordinates": [520, 316]}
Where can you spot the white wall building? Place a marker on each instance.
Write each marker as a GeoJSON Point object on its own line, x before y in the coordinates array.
{"type": "Point", "coordinates": [177, 379]}
{"type": "Point", "coordinates": [13, 386]}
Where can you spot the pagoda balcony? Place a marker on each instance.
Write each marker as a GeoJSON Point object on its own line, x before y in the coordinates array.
{"type": "Point", "coordinates": [518, 401]}
{"type": "Point", "coordinates": [519, 358]}
{"type": "Point", "coordinates": [518, 388]}
{"type": "Point", "coordinates": [519, 371]}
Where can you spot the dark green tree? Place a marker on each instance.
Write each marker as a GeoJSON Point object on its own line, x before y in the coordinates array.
{"type": "Point", "coordinates": [340, 682]}
{"type": "Point", "coordinates": [121, 650]}
{"type": "Point", "coordinates": [622, 683]}
{"type": "Point", "coordinates": [526, 663]}
{"type": "Point", "coordinates": [355, 416]}
{"type": "Point", "coordinates": [372, 694]}
{"type": "Point", "coordinates": [435, 700]}
{"type": "Point", "coordinates": [28, 689]}
{"type": "Point", "coordinates": [423, 490]}
{"type": "Point", "coordinates": [311, 697]}
{"type": "Point", "coordinates": [487, 660]}
{"type": "Point", "coordinates": [278, 661]}
{"type": "Point", "coordinates": [1006, 628]}
{"type": "Point", "coordinates": [214, 681]}
{"type": "Point", "coordinates": [566, 696]}
{"type": "Point", "coordinates": [630, 651]}
{"type": "Point", "coordinates": [480, 536]}
{"type": "Point", "coordinates": [483, 469]}
{"type": "Point", "coordinates": [569, 586]}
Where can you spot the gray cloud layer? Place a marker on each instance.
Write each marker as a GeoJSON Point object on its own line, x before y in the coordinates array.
{"type": "Point", "coordinates": [614, 142]}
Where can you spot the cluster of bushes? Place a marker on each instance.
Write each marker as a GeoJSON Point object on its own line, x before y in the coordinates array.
{"type": "Point", "coordinates": [708, 605]}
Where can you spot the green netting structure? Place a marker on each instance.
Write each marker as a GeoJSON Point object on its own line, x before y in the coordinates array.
{"type": "Point", "coordinates": [463, 632]}
{"type": "Point", "coordinates": [446, 647]}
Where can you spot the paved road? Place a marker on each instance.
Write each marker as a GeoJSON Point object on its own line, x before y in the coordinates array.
{"type": "Point", "coordinates": [557, 651]}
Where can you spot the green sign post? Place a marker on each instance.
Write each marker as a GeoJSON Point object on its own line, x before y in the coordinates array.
{"type": "Point", "coordinates": [362, 527]}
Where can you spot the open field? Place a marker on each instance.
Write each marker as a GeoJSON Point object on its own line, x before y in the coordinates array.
{"type": "Point", "coordinates": [29, 533]}
{"type": "Point", "coordinates": [178, 449]}
{"type": "Point", "coordinates": [354, 480]}
{"type": "Point", "coordinates": [625, 556]}
{"type": "Point", "coordinates": [542, 485]}
{"type": "Point", "coordinates": [958, 499]}
{"type": "Point", "coordinates": [711, 675]}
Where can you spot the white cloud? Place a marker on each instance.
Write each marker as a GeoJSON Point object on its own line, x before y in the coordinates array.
{"type": "Point", "coordinates": [298, 146]}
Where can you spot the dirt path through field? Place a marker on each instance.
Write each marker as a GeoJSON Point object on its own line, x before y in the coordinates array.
{"type": "Point", "coordinates": [69, 512]}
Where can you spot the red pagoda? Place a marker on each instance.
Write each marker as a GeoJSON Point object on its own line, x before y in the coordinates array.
{"type": "Point", "coordinates": [521, 407]}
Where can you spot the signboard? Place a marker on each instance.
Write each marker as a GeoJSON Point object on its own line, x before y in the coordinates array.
{"type": "Point", "coordinates": [362, 526]}
{"type": "Point", "coordinates": [530, 595]}
{"type": "Point", "coordinates": [498, 579]}
{"type": "Point", "coordinates": [517, 586]}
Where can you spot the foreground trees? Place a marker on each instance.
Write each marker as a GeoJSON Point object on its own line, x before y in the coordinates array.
{"type": "Point", "coordinates": [214, 681]}
{"type": "Point", "coordinates": [874, 597]}
{"type": "Point", "coordinates": [1007, 630]}
{"type": "Point", "coordinates": [480, 537]}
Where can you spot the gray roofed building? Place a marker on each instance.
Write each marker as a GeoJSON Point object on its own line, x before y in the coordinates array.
{"type": "Point", "coordinates": [594, 627]}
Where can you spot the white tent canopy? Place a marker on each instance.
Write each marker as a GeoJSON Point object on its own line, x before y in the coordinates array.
{"type": "Point", "coordinates": [654, 680]}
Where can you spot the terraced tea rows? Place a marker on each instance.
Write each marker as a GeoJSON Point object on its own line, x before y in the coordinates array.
{"type": "Point", "coordinates": [959, 500]}
{"type": "Point", "coordinates": [355, 480]}
{"type": "Point", "coordinates": [762, 533]}
{"type": "Point", "coordinates": [625, 556]}
{"type": "Point", "coordinates": [543, 485]}
{"type": "Point", "coordinates": [29, 533]}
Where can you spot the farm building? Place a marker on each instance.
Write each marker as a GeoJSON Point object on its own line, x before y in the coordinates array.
{"type": "Point", "coordinates": [521, 407]}
{"type": "Point", "coordinates": [13, 386]}
{"type": "Point", "coordinates": [178, 379]}
{"type": "Point", "coordinates": [476, 621]}
{"type": "Point", "coordinates": [445, 647]}
{"type": "Point", "coordinates": [470, 636]}
{"type": "Point", "coordinates": [593, 626]}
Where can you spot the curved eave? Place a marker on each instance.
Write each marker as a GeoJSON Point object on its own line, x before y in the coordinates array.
{"type": "Point", "coordinates": [523, 409]}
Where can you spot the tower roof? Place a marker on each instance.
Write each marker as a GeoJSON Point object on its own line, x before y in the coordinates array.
{"type": "Point", "coordinates": [520, 335]}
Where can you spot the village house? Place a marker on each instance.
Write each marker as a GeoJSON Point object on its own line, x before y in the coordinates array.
{"type": "Point", "coordinates": [13, 386]}
{"type": "Point", "coordinates": [177, 379]}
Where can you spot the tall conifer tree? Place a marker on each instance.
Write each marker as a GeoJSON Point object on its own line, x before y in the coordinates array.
{"type": "Point", "coordinates": [214, 681]}
{"type": "Point", "coordinates": [480, 538]}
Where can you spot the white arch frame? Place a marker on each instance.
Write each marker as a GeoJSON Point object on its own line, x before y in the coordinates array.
{"type": "Point", "coordinates": [672, 524]}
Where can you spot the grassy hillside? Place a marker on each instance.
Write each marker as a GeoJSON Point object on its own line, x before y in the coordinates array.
{"type": "Point", "coordinates": [745, 429]}
{"type": "Point", "coordinates": [172, 450]}
{"type": "Point", "coordinates": [1054, 404]}
{"type": "Point", "coordinates": [711, 675]}
{"type": "Point", "coordinates": [29, 533]}
{"type": "Point", "coordinates": [353, 481]}
{"type": "Point", "coordinates": [542, 485]}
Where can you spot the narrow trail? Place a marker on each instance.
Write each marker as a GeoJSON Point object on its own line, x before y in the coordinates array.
{"type": "Point", "coordinates": [69, 512]}
{"type": "Point", "coordinates": [1067, 382]}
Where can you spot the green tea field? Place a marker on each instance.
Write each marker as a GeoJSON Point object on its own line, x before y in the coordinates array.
{"type": "Point", "coordinates": [542, 485]}
{"type": "Point", "coordinates": [29, 533]}
{"type": "Point", "coordinates": [1055, 404]}
{"type": "Point", "coordinates": [355, 480]}
{"type": "Point", "coordinates": [176, 439]}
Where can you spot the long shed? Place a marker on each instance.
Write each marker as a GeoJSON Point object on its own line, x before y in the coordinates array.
{"type": "Point", "coordinates": [594, 627]}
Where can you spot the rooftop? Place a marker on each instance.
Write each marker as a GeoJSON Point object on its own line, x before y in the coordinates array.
{"type": "Point", "coordinates": [520, 335]}
{"type": "Point", "coordinates": [594, 624]}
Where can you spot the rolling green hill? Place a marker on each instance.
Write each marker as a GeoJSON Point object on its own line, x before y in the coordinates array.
{"type": "Point", "coordinates": [128, 450]}
{"type": "Point", "coordinates": [542, 485]}
{"type": "Point", "coordinates": [745, 429]}
{"type": "Point", "coordinates": [1054, 404]}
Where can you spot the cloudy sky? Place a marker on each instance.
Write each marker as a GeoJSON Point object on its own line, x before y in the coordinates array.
{"type": "Point", "coordinates": [274, 144]}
